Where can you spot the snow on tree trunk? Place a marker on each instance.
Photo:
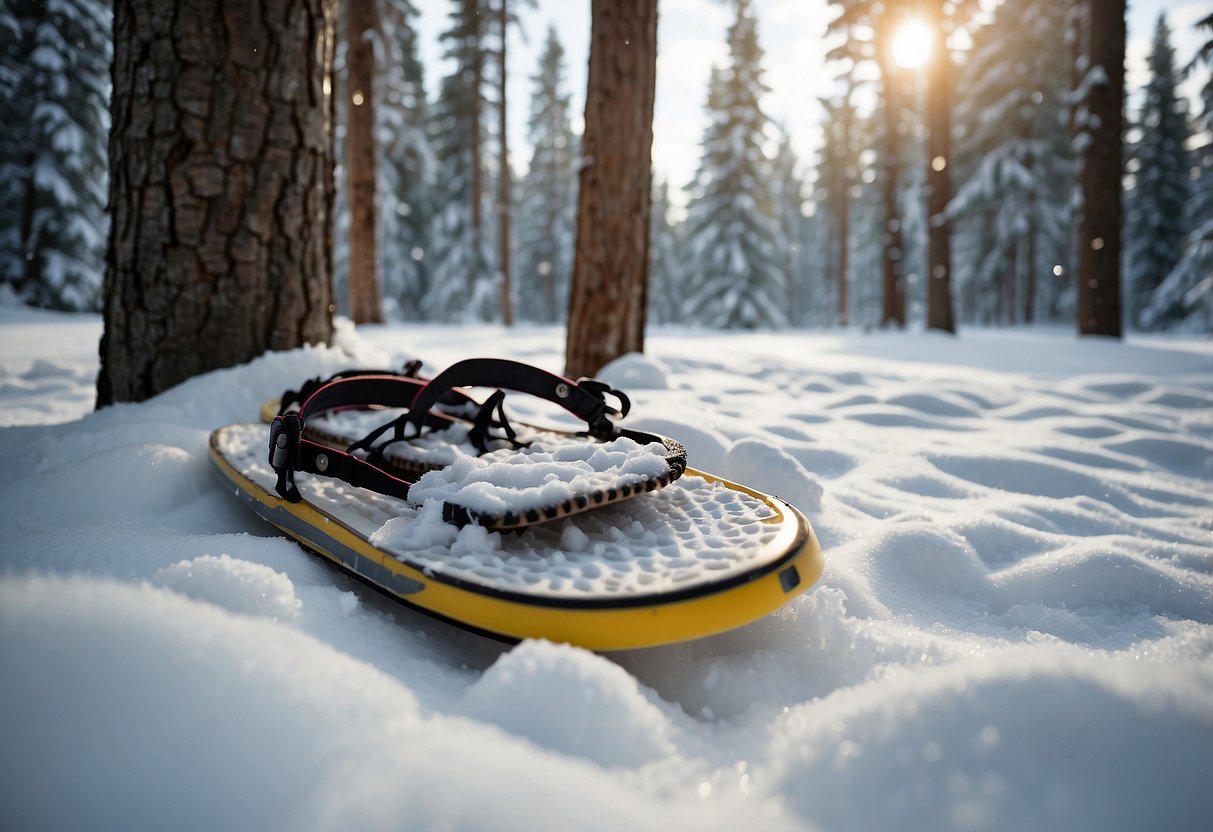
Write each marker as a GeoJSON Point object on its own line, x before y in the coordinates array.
{"type": "Point", "coordinates": [362, 26]}
{"type": "Point", "coordinates": [610, 266]}
{"type": "Point", "coordinates": [221, 190]}
{"type": "Point", "coordinates": [1099, 235]}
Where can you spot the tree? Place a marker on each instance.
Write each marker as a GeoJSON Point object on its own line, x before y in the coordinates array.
{"type": "Point", "coordinates": [1102, 126]}
{"type": "Point", "coordinates": [667, 277]}
{"type": "Point", "coordinates": [837, 175]}
{"type": "Point", "coordinates": [406, 165]}
{"type": "Point", "coordinates": [1185, 297]}
{"type": "Point", "coordinates": [1162, 180]}
{"type": "Point", "coordinates": [735, 246]}
{"type": "Point", "coordinates": [362, 29]}
{"type": "Point", "coordinates": [462, 275]}
{"type": "Point", "coordinates": [940, 309]}
{"type": "Point", "coordinates": [881, 19]}
{"type": "Point", "coordinates": [221, 188]}
{"type": "Point", "coordinates": [548, 194]}
{"type": "Point", "coordinates": [1012, 211]}
{"type": "Point", "coordinates": [610, 265]}
{"type": "Point", "coordinates": [54, 94]}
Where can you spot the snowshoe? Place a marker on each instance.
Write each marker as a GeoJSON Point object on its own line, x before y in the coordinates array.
{"type": "Point", "coordinates": [695, 557]}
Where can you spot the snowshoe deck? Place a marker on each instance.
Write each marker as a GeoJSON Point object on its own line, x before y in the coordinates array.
{"type": "Point", "coordinates": [698, 557]}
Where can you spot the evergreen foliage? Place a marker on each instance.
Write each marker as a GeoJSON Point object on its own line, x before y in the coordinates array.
{"type": "Point", "coordinates": [1012, 209]}
{"type": "Point", "coordinates": [1184, 300]}
{"type": "Point", "coordinates": [1161, 168]}
{"type": "Point", "coordinates": [836, 187]}
{"type": "Point", "coordinates": [548, 201]}
{"type": "Point", "coordinates": [405, 162]}
{"type": "Point", "coordinates": [667, 278]}
{"type": "Point", "coordinates": [736, 248]}
{"type": "Point", "coordinates": [54, 105]}
{"type": "Point", "coordinates": [463, 283]}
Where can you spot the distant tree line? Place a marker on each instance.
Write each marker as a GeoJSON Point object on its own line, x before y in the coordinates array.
{"type": "Point", "coordinates": [951, 193]}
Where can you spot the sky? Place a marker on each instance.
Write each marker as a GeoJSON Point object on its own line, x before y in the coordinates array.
{"type": "Point", "coordinates": [690, 38]}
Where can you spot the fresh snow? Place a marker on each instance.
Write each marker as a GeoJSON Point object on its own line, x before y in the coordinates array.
{"type": "Point", "coordinates": [1014, 629]}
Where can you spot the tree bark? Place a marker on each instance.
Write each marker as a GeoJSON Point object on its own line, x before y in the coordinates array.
{"type": "Point", "coordinates": [503, 183]}
{"type": "Point", "coordinates": [221, 189]}
{"type": "Point", "coordinates": [1099, 238]}
{"type": "Point", "coordinates": [893, 310]}
{"type": "Point", "coordinates": [361, 24]}
{"type": "Point", "coordinates": [610, 267]}
{"type": "Point", "coordinates": [940, 308]}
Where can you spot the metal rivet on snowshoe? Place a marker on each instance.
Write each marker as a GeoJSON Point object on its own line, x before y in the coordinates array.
{"type": "Point", "coordinates": [322, 463]}
{"type": "Point", "coordinates": [281, 441]}
{"type": "Point", "coordinates": [562, 391]}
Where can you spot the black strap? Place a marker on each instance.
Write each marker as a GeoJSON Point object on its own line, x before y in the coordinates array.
{"type": "Point", "coordinates": [290, 452]}
{"type": "Point", "coordinates": [585, 399]}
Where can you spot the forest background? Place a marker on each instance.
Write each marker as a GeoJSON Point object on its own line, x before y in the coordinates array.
{"type": "Point", "coordinates": [759, 154]}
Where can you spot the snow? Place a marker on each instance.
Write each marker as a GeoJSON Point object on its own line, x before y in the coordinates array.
{"type": "Point", "coordinates": [1014, 629]}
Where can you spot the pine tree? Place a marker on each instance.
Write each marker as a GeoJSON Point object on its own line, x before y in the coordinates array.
{"type": "Point", "coordinates": [221, 241]}
{"type": "Point", "coordinates": [666, 273]}
{"type": "Point", "coordinates": [548, 196]}
{"type": "Point", "coordinates": [787, 196]}
{"type": "Point", "coordinates": [735, 242]}
{"type": "Point", "coordinates": [1101, 131]}
{"type": "Point", "coordinates": [463, 280]}
{"type": "Point", "coordinates": [405, 165]}
{"type": "Point", "coordinates": [1013, 164]}
{"type": "Point", "coordinates": [1161, 173]}
{"type": "Point", "coordinates": [607, 299]}
{"type": "Point", "coordinates": [1184, 300]}
{"type": "Point", "coordinates": [54, 96]}
{"type": "Point", "coordinates": [836, 186]}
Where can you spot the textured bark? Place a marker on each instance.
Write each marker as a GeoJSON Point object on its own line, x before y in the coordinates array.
{"type": "Point", "coordinates": [610, 266]}
{"type": "Point", "coordinates": [503, 184]}
{"type": "Point", "coordinates": [221, 189]}
{"type": "Point", "coordinates": [940, 308]}
{"type": "Point", "coordinates": [1099, 236]}
{"type": "Point", "coordinates": [361, 24]}
{"type": "Point", "coordinates": [893, 309]}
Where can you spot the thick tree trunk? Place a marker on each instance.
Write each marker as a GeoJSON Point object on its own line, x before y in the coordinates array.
{"type": "Point", "coordinates": [610, 268]}
{"type": "Point", "coordinates": [893, 310]}
{"type": "Point", "coordinates": [1099, 237]}
{"type": "Point", "coordinates": [221, 189]}
{"type": "Point", "coordinates": [361, 24]}
{"type": "Point", "coordinates": [940, 309]}
{"type": "Point", "coordinates": [503, 183]}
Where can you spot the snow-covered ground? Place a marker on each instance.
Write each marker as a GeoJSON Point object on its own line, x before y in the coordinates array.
{"type": "Point", "coordinates": [1014, 629]}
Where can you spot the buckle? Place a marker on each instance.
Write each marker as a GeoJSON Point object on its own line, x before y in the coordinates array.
{"type": "Point", "coordinates": [599, 390]}
{"type": "Point", "coordinates": [283, 453]}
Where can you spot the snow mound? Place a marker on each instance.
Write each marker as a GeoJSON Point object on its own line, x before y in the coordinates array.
{"type": "Point", "coordinates": [634, 371]}
{"type": "Point", "coordinates": [572, 702]}
{"type": "Point", "coordinates": [761, 465]}
{"type": "Point", "coordinates": [236, 585]}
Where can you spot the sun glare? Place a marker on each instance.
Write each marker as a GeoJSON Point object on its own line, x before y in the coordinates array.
{"type": "Point", "coordinates": [912, 44]}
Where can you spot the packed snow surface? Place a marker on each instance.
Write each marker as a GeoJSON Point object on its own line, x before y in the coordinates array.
{"type": "Point", "coordinates": [1014, 629]}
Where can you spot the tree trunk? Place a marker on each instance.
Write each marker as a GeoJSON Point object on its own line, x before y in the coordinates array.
{"type": "Point", "coordinates": [844, 213]}
{"type": "Point", "coordinates": [940, 310]}
{"type": "Point", "coordinates": [610, 267]}
{"type": "Point", "coordinates": [893, 310]}
{"type": "Point", "coordinates": [1029, 292]}
{"type": "Point", "coordinates": [221, 189]}
{"type": "Point", "coordinates": [503, 183]}
{"type": "Point", "coordinates": [361, 24]}
{"type": "Point", "coordinates": [1099, 239]}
